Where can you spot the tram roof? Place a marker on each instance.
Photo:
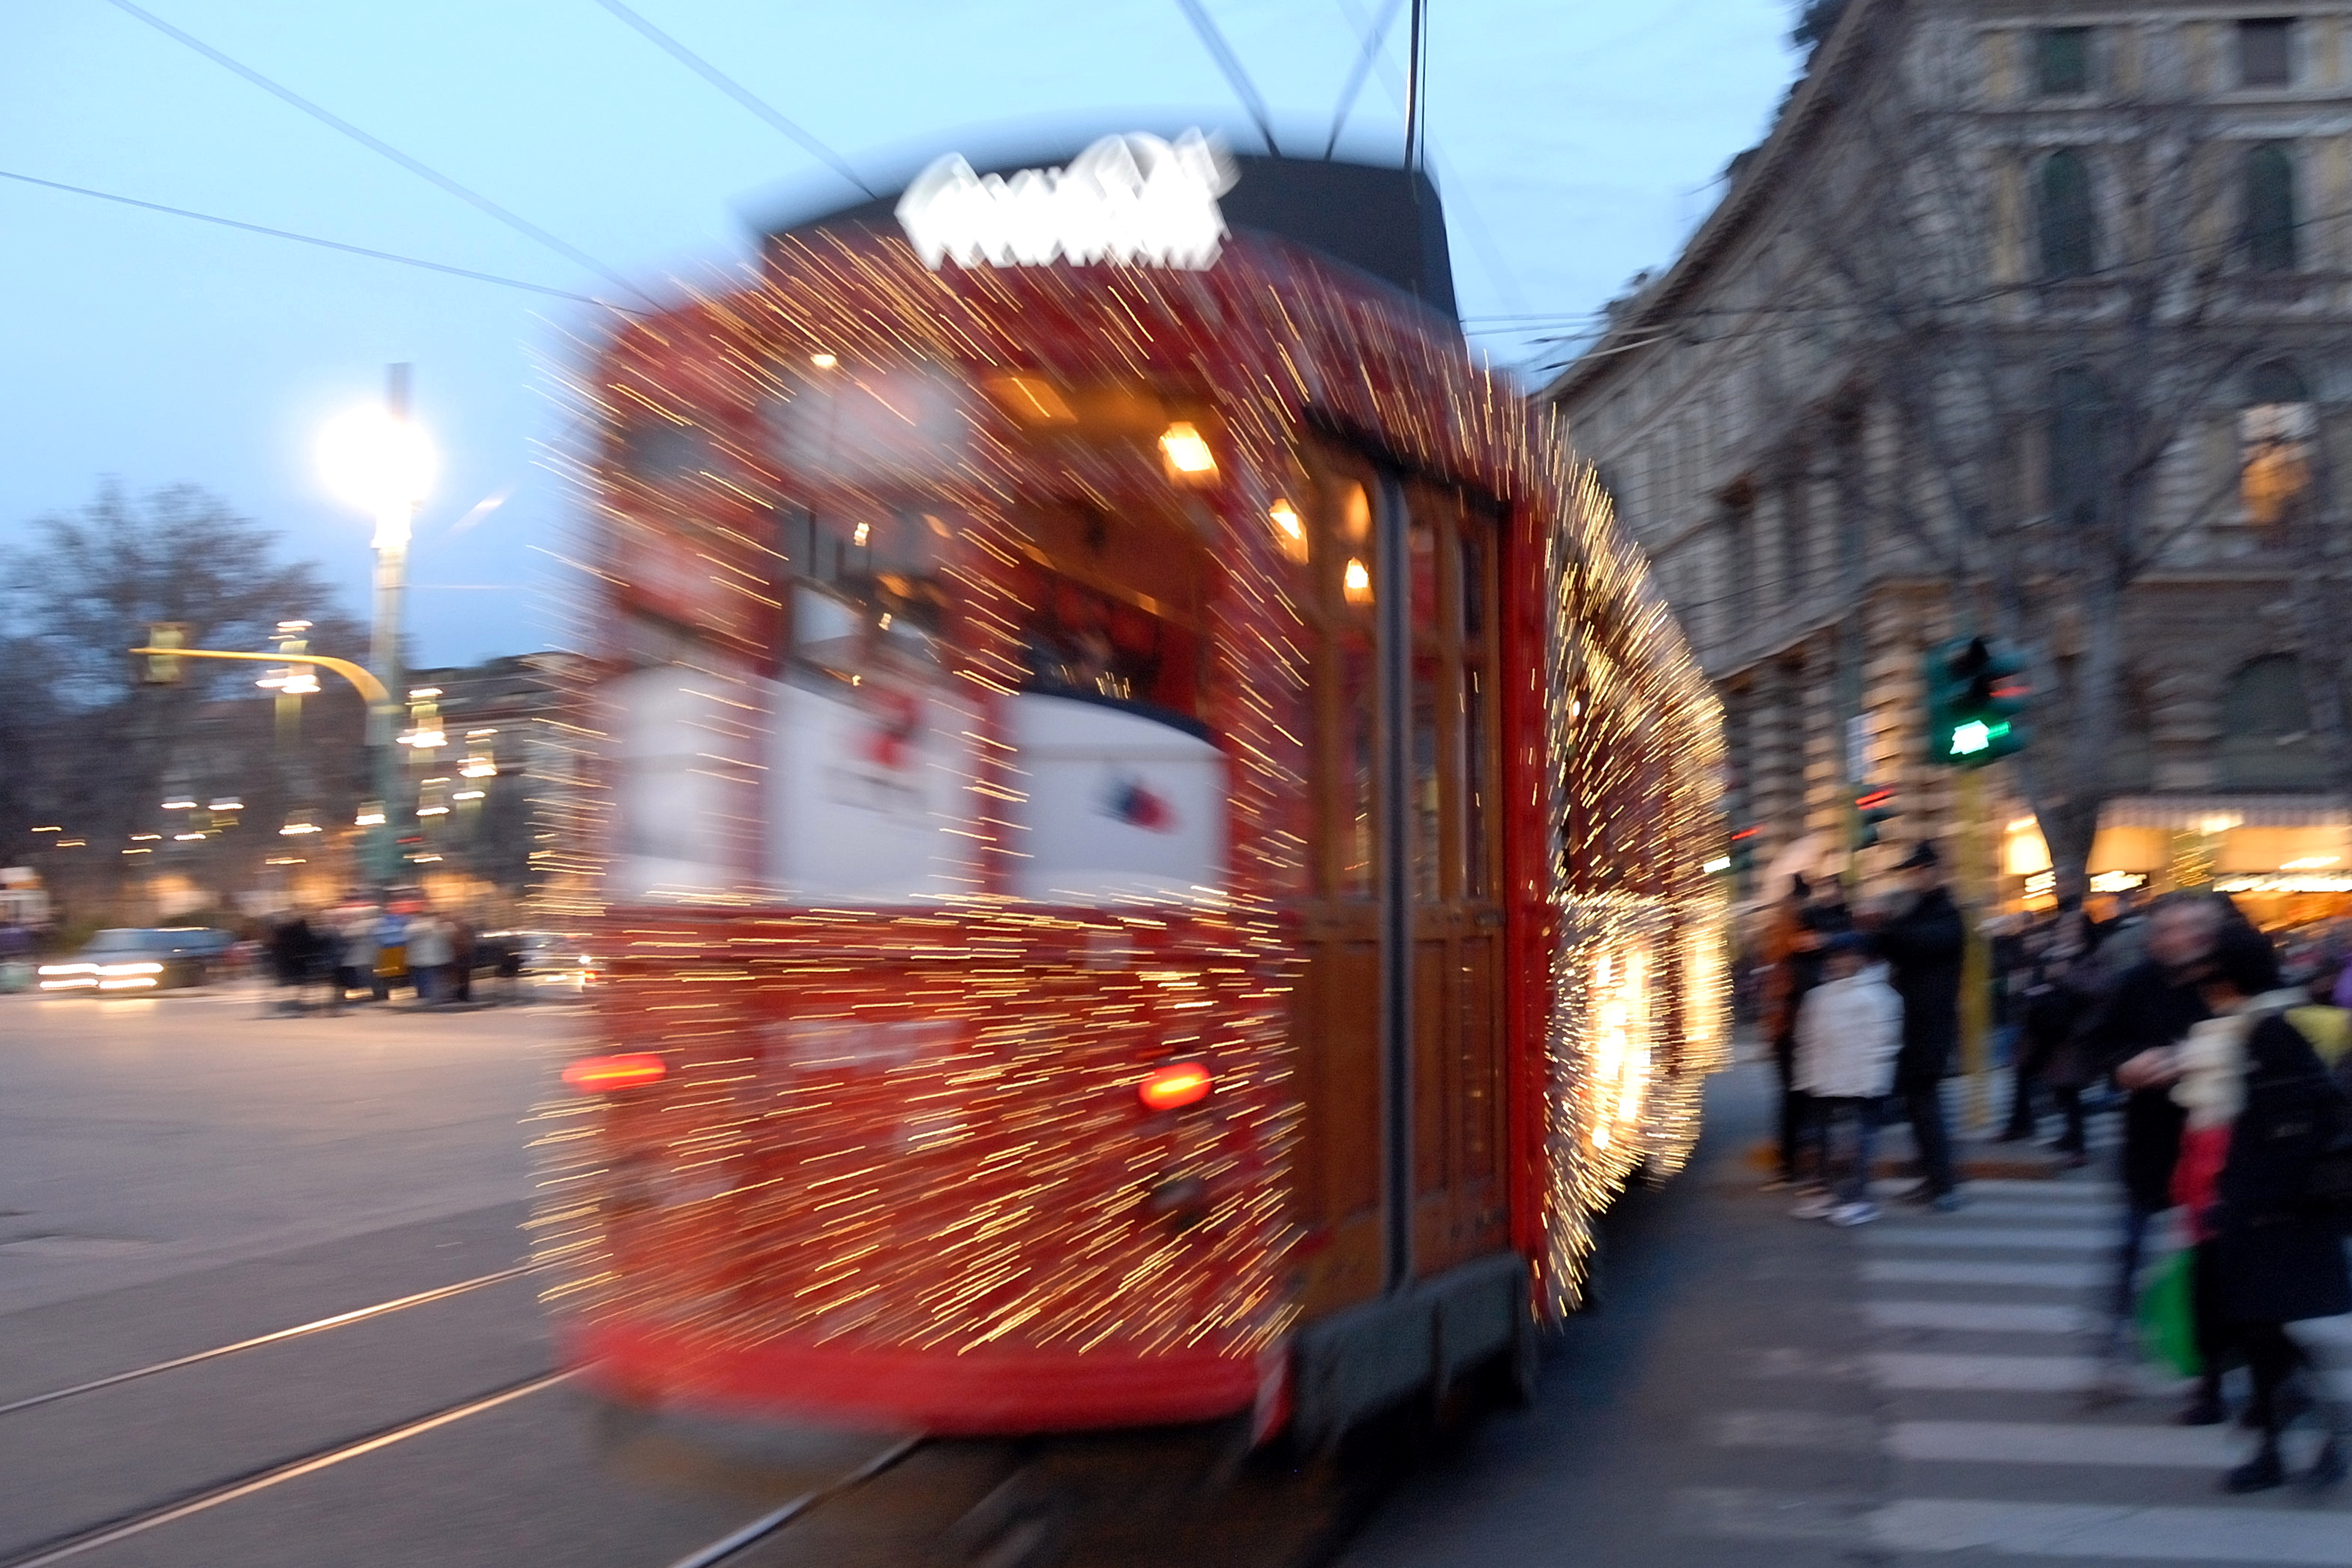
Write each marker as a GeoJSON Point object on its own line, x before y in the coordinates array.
{"type": "Point", "coordinates": [1381, 220]}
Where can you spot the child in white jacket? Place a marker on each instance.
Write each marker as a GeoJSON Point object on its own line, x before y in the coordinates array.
{"type": "Point", "coordinates": [1848, 1032]}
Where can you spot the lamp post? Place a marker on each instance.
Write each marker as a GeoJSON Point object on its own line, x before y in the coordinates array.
{"type": "Point", "coordinates": [378, 461]}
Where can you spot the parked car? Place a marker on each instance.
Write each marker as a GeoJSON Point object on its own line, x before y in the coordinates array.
{"type": "Point", "coordinates": [547, 957]}
{"type": "Point", "coordinates": [137, 959]}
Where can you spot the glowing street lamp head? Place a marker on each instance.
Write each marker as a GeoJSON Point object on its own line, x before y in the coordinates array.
{"type": "Point", "coordinates": [378, 463]}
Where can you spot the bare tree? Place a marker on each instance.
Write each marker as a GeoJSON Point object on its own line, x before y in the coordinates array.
{"type": "Point", "coordinates": [92, 749]}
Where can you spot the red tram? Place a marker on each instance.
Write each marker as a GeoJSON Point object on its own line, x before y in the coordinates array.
{"type": "Point", "coordinates": [1148, 832]}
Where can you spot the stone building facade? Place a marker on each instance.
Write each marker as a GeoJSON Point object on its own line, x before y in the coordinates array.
{"type": "Point", "coordinates": [2030, 318]}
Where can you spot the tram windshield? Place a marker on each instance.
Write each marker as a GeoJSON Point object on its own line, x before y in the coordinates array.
{"type": "Point", "coordinates": [1029, 671]}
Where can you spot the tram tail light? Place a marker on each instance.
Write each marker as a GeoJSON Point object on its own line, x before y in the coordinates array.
{"type": "Point", "coordinates": [1175, 1086]}
{"type": "Point", "coordinates": [604, 1074]}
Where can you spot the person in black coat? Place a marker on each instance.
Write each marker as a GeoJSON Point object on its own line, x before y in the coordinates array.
{"type": "Point", "coordinates": [1923, 944]}
{"type": "Point", "coordinates": [2151, 1004]}
{"type": "Point", "coordinates": [2264, 1257]}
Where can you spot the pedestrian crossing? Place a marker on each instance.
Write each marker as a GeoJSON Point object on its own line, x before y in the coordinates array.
{"type": "Point", "coordinates": [2002, 1431]}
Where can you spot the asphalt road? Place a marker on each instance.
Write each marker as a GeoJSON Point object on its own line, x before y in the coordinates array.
{"type": "Point", "coordinates": [194, 1171]}
{"type": "Point", "coordinates": [186, 1172]}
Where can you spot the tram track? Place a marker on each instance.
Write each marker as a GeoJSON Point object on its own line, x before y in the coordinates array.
{"type": "Point", "coordinates": [155, 1516]}
{"type": "Point", "coordinates": [276, 1336]}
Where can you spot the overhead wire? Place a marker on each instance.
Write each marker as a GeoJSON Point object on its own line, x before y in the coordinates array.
{"type": "Point", "coordinates": [378, 145]}
{"type": "Point", "coordinates": [1474, 222]}
{"type": "Point", "coordinates": [313, 239]}
{"type": "Point", "coordinates": [742, 95]}
{"type": "Point", "coordinates": [1375, 37]}
{"type": "Point", "coordinates": [1230, 64]}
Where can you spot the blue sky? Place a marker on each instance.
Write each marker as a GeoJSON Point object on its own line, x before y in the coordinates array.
{"type": "Point", "coordinates": [1575, 142]}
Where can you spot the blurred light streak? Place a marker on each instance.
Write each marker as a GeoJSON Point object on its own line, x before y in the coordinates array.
{"type": "Point", "coordinates": [480, 509]}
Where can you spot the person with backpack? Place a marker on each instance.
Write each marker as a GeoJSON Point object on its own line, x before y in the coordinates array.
{"type": "Point", "coordinates": [2261, 1114]}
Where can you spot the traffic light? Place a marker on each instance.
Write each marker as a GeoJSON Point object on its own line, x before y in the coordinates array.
{"type": "Point", "coordinates": [166, 669]}
{"type": "Point", "coordinates": [1743, 851]}
{"type": "Point", "coordinates": [1976, 692]}
{"type": "Point", "coordinates": [1872, 805]}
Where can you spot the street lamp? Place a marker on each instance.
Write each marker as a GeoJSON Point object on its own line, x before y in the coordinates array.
{"type": "Point", "coordinates": [376, 460]}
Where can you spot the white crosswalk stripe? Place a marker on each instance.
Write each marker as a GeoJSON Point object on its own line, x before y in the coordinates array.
{"type": "Point", "coordinates": [1978, 1317]}
{"type": "Point", "coordinates": [1945, 1271]}
{"type": "Point", "coordinates": [1981, 1331]}
{"type": "Point", "coordinates": [1991, 1238]}
{"type": "Point", "coordinates": [2215, 1534]}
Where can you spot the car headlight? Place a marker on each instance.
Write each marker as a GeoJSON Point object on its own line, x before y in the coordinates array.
{"type": "Point", "coordinates": [69, 968]}
{"type": "Point", "coordinates": [130, 969]}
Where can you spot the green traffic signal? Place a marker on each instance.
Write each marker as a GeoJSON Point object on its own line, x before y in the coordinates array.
{"type": "Point", "coordinates": [1976, 690]}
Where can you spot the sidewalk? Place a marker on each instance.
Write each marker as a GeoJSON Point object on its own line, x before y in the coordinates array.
{"type": "Point", "coordinates": [1751, 1390]}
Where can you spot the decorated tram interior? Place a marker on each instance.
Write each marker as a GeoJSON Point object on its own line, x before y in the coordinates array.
{"type": "Point", "coordinates": [1153, 827]}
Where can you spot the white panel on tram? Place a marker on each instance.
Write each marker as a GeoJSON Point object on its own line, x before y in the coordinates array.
{"type": "Point", "coordinates": [671, 838]}
{"type": "Point", "coordinates": [1122, 807]}
{"type": "Point", "coordinates": [869, 794]}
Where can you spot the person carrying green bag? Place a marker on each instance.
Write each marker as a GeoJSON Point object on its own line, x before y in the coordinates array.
{"type": "Point", "coordinates": [2167, 1316]}
{"type": "Point", "coordinates": [2261, 1114]}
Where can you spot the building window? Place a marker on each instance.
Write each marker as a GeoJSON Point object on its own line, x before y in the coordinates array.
{"type": "Point", "coordinates": [2266, 52]}
{"type": "Point", "coordinates": [2061, 61]}
{"type": "Point", "coordinates": [2064, 214]}
{"type": "Point", "coordinates": [2275, 432]}
{"type": "Point", "coordinates": [2081, 413]}
{"type": "Point", "coordinates": [2266, 739]}
{"type": "Point", "coordinates": [2270, 222]}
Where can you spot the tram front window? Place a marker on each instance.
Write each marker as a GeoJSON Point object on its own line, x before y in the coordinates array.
{"type": "Point", "coordinates": [1111, 610]}
{"type": "Point", "coordinates": [1122, 787]}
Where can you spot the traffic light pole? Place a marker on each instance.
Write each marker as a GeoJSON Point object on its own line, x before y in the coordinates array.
{"type": "Point", "coordinates": [1976, 957]}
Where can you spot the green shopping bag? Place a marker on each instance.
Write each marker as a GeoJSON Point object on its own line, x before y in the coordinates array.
{"type": "Point", "coordinates": [2167, 1315]}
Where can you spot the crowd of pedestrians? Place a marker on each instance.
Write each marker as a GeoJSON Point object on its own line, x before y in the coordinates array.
{"type": "Point", "coordinates": [2233, 1077]}
{"type": "Point", "coordinates": [1912, 951]}
{"type": "Point", "coordinates": [366, 953]}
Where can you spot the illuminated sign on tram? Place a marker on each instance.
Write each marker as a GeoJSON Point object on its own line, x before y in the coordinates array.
{"type": "Point", "coordinates": [1134, 199]}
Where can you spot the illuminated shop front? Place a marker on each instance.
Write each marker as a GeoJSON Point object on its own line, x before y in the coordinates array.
{"type": "Point", "coordinates": [2287, 859]}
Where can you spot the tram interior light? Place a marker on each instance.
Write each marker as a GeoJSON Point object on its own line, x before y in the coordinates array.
{"type": "Point", "coordinates": [1187, 452]}
{"type": "Point", "coordinates": [1356, 582]}
{"type": "Point", "coordinates": [1030, 400]}
{"type": "Point", "coordinates": [824, 362]}
{"type": "Point", "coordinates": [1290, 530]}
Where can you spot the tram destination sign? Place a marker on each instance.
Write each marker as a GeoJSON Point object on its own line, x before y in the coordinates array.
{"type": "Point", "coordinates": [1134, 199]}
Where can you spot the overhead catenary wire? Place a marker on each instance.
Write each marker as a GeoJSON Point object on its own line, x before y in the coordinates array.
{"type": "Point", "coordinates": [378, 145]}
{"type": "Point", "coordinates": [1375, 37]}
{"type": "Point", "coordinates": [1230, 64]}
{"type": "Point", "coordinates": [441, 266]}
{"type": "Point", "coordinates": [742, 95]}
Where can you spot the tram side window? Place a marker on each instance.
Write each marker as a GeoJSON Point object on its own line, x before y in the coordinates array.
{"type": "Point", "coordinates": [867, 585]}
{"type": "Point", "coordinates": [1344, 591]}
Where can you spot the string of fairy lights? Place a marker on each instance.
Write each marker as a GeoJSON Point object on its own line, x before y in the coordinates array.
{"type": "Point", "coordinates": [961, 1185]}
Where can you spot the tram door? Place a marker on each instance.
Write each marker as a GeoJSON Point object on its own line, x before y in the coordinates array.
{"type": "Point", "coordinates": [1401, 923]}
